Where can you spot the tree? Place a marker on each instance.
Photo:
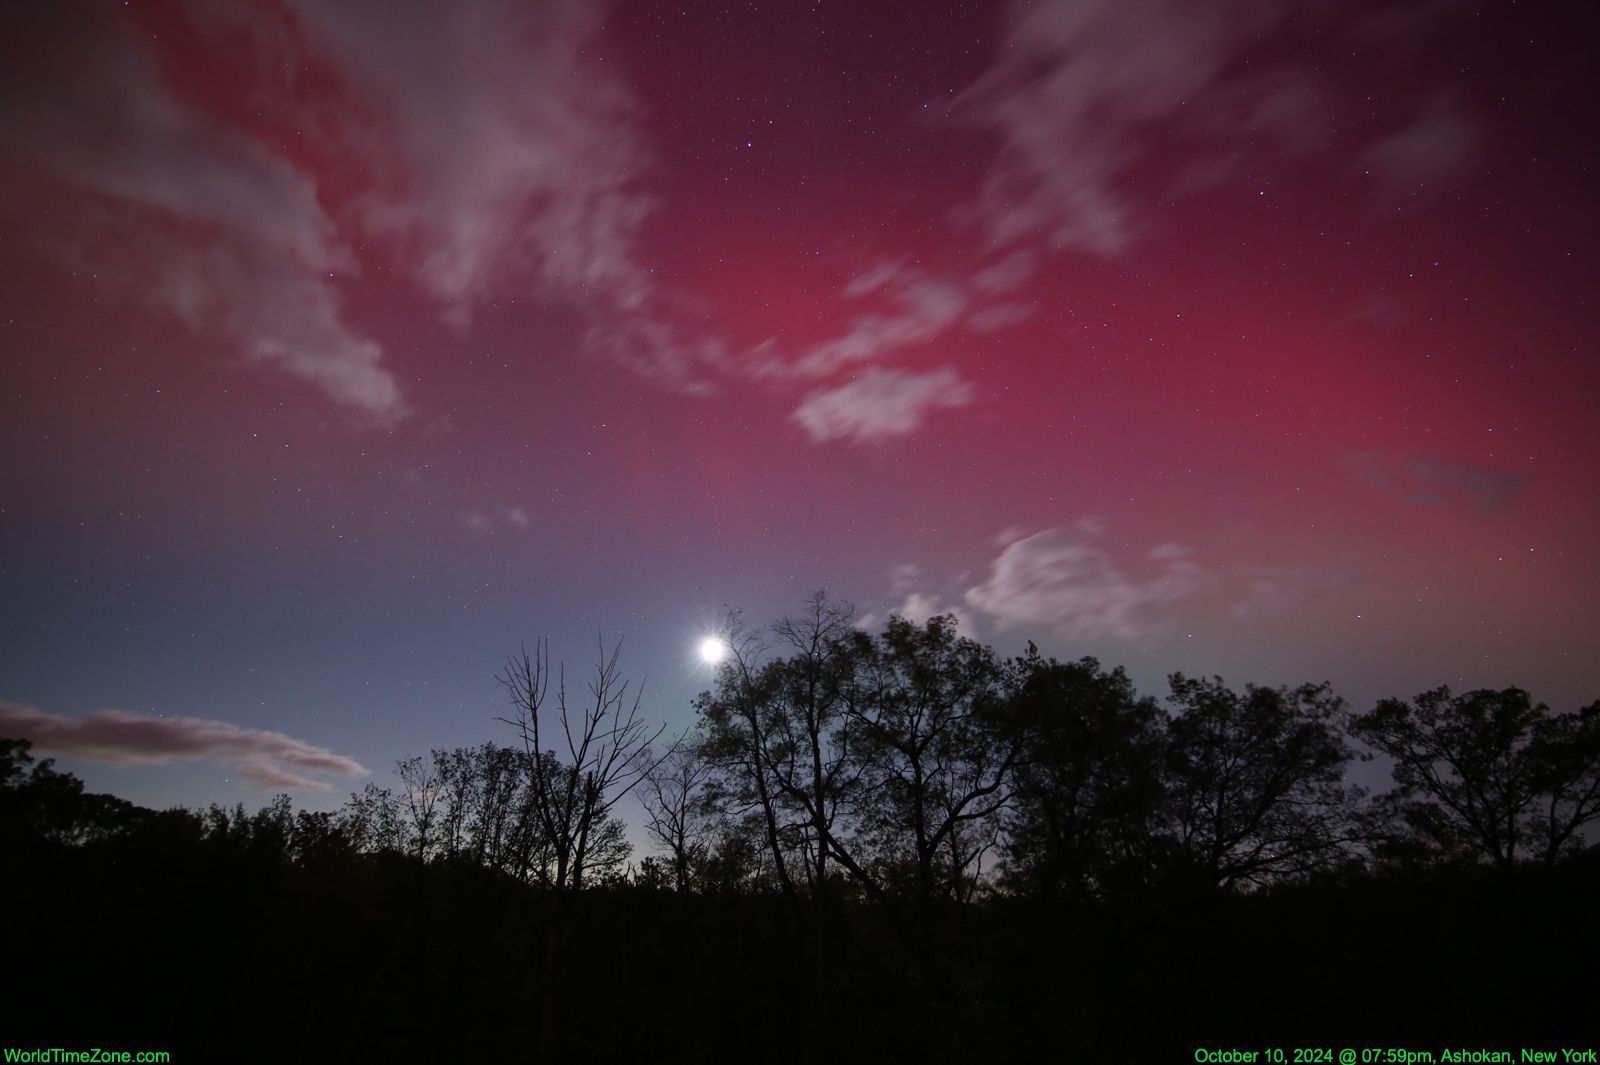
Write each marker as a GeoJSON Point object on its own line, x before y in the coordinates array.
{"type": "Point", "coordinates": [39, 804]}
{"type": "Point", "coordinates": [371, 820]}
{"type": "Point", "coordinates": [1255, 781]}
{"type": "Point", "coordinates": [936, 766]}
{"type": "Point", "coordinates": [1088, 782]}
{"type": "Point", "coordinates": [1488, 775]}
{"type": "Point", "coordinates": [674, 800]}
{"type": "Point", "coordinates": [419, 777]}
{"type": "Point", "coordinates": [607, 754]}
{"type": "Point", "coordinates": [571, 792]}
{"type": "Point", "coordinates": [783, 745]}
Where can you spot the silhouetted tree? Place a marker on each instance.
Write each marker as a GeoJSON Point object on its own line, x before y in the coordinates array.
{"type": "Point", "coordinates": [933, 760]}
{"type": "Point", "coordinates": [371, 820]}
{"type": "Point", "coordinates": [421, 793]}
{"type": "Point", "coordinates": [1089, 792]}
{"type": "Point", "coordinates": [1489, 775]}
{"type": "Point", "coordinates": [742, 741]}
{"type": "Point", "coordinates": [606, 753]}
{"type": "Point", "coordinates": [1254, 782]}
{"type": "Point", "coordinates": [41, 806]}
{"type": "Point", "coordinates": [675, 802]}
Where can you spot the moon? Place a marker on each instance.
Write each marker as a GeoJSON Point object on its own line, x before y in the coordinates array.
{"type": "Point", "coordinates": [713, 649]}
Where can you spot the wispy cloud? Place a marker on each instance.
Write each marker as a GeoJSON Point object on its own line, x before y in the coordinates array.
{"type": "Point", "coordinates": [1261, 593]}
{"type": "Point", "coordinates": [270, 777]}
{"type": "Point", "coordinates": [1007, 274]}
{"type": "Point", "coordinates": [1085, 91]}
{"type": "Point", "coordinates": [120, 737]}
{"type": "Point", "coordinates": [233, 238]}
{"type": "Point", "coordinates": [1432, 480]}
{"type": "Point", "coordinates": [1437, 146]}
{"type": "Point", "coordinates": [1064, 580]}
{"type": "Point", "coordinates": [910, 310]}
{"type": "Point", "coordinates": [915, 602]}
{"type": "Point", "coordinates": [924, 309]}
{"type": "Point", "coordinates": [498, 153]}
{"type": "Point", "coordinates": [880, 404]}
{"type": "Point", "coordinates": [511, 148]}
{"type": "Point", "coordinates": [1078, 96]}
{"type": "Point", "coordinates": [485, 521]}
{"type": "Point", "coordinates": [1002, 316]}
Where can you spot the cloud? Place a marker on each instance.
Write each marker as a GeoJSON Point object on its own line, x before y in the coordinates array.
{"type": "Point", "coordinates": [120, 737]}
{"type": "Point", "coordinates": [480, 521]}
{"type": "Point", "coordinates": [1436, 147]}
{"type": "Point", "coordinates": [1062, 579]}
{"type": "Point", "coordinates": [1436, 481]}
{"type": "Point", "coordinates": [1005, 275]}
{"type": "Point", "coordinates": [507, 145]}
{"type": "Point", "coordinates": [656, 351]}
{"type": "Point", "coordinates": [230, 237]}
{"type": "Point", "coordinates": [918, 608]}
{"type": "Point", "coordinates": [1083, 90]}
{"type": "Point", "coordinates": [880, 404]}
{"type": "Point", "coordinates": [907, 582]}
{"type": "Point", "coordinates": [925, 309]}
{"type": "Point", "coordinates": [495, 149]}
{"type": "Point", "coordinates": [1001, 316]}
{"type": "Point", "coordinates": [269, 777]}
{"type": "Point", "coordinates": [874, 278]}
{"type": "Point", "coordinates": [1270, 591]}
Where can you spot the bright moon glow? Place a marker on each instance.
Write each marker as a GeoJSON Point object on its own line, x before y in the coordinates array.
{"type": "Point", "coordinates": [712, 650]}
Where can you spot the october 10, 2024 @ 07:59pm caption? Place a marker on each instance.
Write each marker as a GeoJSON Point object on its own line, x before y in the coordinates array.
{"type": "Point", "coordinates": [1390, 1056]}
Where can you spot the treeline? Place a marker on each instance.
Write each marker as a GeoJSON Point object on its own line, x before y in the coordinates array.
{"type": "Point", "coordinates": [870, 844]}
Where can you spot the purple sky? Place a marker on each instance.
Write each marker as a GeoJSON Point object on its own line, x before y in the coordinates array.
{"type": "Point", "coordinates": [346, 346]}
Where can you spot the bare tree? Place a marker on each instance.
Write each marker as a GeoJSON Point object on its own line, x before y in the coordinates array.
{"type": "Point", "coordinates": [420, 779]}
{"type": "Point", "coordinates": [572, 791]}
{"type": "Point", "coordinates": [674, 800]}
{"type": "Point", "coordinates": [607, 750]}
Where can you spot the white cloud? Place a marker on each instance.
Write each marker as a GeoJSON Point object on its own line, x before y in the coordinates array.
{"type": "Point", "coordinates": [874, 278]}
{"type": "Point", "coordinates": [120, 737]}
{"type": "Point", "coordinates": [926, 308]}
{"type": "Point", "coordinates": [271, 777]}
{"type": "Point", "coordinates": [1436, 147]}
{"type": "Point", "coordinates": [1062, 579]}
{"type": "Point", "coordinates": [505, 146]}
{"type": "Point", "coordinates": [880, 404]}
{"type": "Point", "coordinates": [918, 608]}
{"type": "Point", "coordinates": [1001, 316]}
{"type": "Point", "coordinates": [229, 236]}
{"type": "Point", "coordinates": [1007, 274]}
{"type": "Point", "coordinates": [1085, 88]}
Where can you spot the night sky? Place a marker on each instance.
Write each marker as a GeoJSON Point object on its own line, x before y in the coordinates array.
{"type": "Point", "coordinates": [345, 346]}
